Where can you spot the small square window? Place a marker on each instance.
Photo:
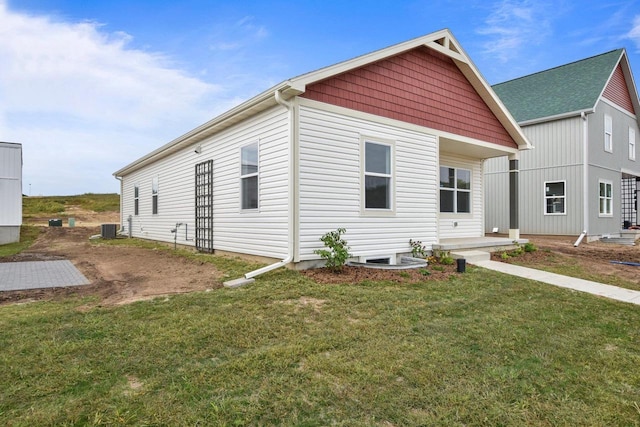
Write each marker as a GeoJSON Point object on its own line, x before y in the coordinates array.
{"type": "Point", "coordinates": [554, 196]}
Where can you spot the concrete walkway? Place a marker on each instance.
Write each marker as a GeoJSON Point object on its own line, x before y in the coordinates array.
{"type": "Point", "coordinates": [15, 276]}
{"type": "Point", "coordinates": [607, 291]}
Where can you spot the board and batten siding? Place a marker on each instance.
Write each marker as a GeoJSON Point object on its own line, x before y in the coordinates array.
{"type": "Point", "coordinates": [330, 177]}
{"type": "Point", "coordinates": [471, 224]}
{"type": "Point", "coordinates": [609, 166]}
{"type": "Point", "coordinates": [262, 232]}
{"type": "Point", "coordinates": [557, 156]}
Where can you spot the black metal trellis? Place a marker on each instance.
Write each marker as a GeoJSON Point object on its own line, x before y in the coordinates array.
{"type": "Point", "coordinates": [629, 200]}
{"type": "Point", "coordinates": [204, 206]}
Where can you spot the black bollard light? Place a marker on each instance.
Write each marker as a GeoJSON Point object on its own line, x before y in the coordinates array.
{"type": "Point", "coordinates": [462, 265]}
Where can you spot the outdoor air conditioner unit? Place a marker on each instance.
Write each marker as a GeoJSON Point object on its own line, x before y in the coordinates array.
{"type": "Point", "coordinates": [108, 231]}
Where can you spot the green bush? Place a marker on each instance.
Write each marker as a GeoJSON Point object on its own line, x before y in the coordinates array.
{"type": "Point", "coordinates": [530, 247]}
{"type": "Point", "coordinates": [337, 252]}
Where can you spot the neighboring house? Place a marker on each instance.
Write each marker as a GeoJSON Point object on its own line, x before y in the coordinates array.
{"type": "Point", "coordinates": [10, 192]}
{"type": "Point", "coordinates": [388, 145]}
{"type": "Point", "coordinates": [584, 170]}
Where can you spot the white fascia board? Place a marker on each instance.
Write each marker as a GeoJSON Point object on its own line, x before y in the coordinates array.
{"type": "Point", "coordinates": [429, 40]}
{"type": "Point", "coordinates": [249, 107]}
{"type": "Point", "coordinates": [495, 104]}
{"type": "Point", "coordinates": [556, 117]}
{"type": "Point", "coordinates": [631, 84]}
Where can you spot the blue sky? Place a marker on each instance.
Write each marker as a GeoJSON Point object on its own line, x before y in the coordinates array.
{"type": "Point", "coordinates": [89, 86]}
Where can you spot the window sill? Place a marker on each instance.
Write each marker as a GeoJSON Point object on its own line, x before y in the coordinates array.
{"type": "Point", "coordinates": [382, 213]}
{"type": "Point", "coordinates": [455, 215]}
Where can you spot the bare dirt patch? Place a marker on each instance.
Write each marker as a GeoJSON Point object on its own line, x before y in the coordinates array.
{"type": "Point", "coordinates": [350, 274]}
{"type": "Point", "coordinates": [118, 274]}
{"type": "Point", "coordinates": [81, 217]}
{"type": "Point", "coordinates": [591, 259]}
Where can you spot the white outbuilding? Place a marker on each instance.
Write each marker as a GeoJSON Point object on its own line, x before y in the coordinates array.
{"type": "Point", "coordinates": [10, 192]}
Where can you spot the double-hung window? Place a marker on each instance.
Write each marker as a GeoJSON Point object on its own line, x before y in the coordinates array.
{"type": "Point", "coordinates": [455, 190]}
{"type": "Point", "coordinates": [378, 175]}
{"type": "Point", "coordinates": [606, 198]}
{"type": "Point", "coordinates": [249, 176]}
{"type": "Point", "coordinates": [554, 198]}
{"type": "Point", "coordinates": [154, 195]}
{"type": "Point", "coordinates": [136, 201]}
{"type": "Point", "coordinates": [608, 134]}
{"type": "Point", "coordinates": [632, 144]}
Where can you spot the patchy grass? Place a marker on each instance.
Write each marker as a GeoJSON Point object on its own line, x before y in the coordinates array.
{"type": "Point", "coordinates": [232, 267]}
{"type": "Point", "coordinates": [573, 266]}
{"type": "Point", "coordinates": [28, 235]}
{"type": "Point", "coordinates": [54, 205]}
{"type": "Point", "coordinates": [479, 349]}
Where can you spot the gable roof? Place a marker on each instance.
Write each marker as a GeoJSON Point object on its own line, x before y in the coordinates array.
{"type": "Point", "coordinates": [441, 41]}
{"type": "Point", "coordinates": [566, 90]}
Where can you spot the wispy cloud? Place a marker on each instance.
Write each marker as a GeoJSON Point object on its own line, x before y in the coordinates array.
{"type": "Point", "coordinates": [79, 99]}
{"type": "Point", "coordinates": [512, 25]}
{"type": "Point", "coordinates": [634, 33]}
{"type": "Point", "coordinates": [239, 34]}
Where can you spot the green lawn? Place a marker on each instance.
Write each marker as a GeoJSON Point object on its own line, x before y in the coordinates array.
{"type": "Point", "coordinates": [28, 235]}
{"type": "Point", "coordinates": [51, 205]}
{"type": "Point", "coordinates": [480, 349]}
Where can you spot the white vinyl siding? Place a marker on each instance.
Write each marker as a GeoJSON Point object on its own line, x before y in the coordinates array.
{"type": "Point", "coordinates": [632, 144]}
{"type": "Point", "coordinates": [555, 197]}
{"type": "Point", "coordinates": [262, 233]}
{"type": "Point", "coordinates": [330, 183]}
{"type": "Point", "coordinates": [608, 133]}
{"type": "Point", "coordinates": [605, 198]}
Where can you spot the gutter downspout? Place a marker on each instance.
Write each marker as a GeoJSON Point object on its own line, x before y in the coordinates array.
{"type": "Point", "coordinates": [585, 178]}
{"type": "Point", "coordinates": [249, 277]}
{"type": "Point", "coordinates": [119, 178]}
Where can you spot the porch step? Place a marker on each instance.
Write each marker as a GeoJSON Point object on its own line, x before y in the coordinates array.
{"type": "Point", "coordinates": [630, 234]}
{"type": "Point", "coordinates": [472, 256]}
{"type": "Point", "coordinates": [627, 241]}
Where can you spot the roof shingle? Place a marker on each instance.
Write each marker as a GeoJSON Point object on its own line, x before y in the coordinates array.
{"type": "Point", "coordinates": [565, 89]}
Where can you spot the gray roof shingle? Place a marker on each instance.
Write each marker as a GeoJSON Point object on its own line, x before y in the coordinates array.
{"type": "Point", "coordinates": [565, 89]}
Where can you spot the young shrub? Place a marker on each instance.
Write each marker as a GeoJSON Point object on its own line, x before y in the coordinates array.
{"type": "Point", "coordinates": [530, 247]}
{"type": "Point", "coordinates": [417, 250]}
{"type": "Point", "coordinates": [504, 255]}
{"type": "Point", "coordinates": [445, 258]}
{"type": "Point", "coordinates": [336, 253]}
{"type": "Point", "coordinates": [519, 250]}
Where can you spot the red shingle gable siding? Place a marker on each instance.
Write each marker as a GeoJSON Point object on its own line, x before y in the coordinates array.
{"type": "Point", "coordinates": [617, 92]}
{"type": "Point", "coordinates": [422, 87]}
